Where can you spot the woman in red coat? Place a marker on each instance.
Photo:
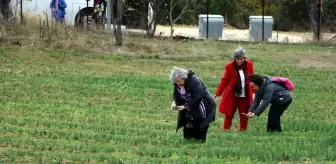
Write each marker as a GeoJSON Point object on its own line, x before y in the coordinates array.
{"type": "Point", "coordinates": [235, 89]}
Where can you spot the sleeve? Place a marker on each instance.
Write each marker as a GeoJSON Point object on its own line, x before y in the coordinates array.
{"type": "Point", "coordinates": [174, 97]}
{"type": "Point", "coordinates": [52, 4]}
{"type": "Point", "coordinates": [266, 100]}
{"type": "Point", "coordinates": [62, 4]}
{"type": "Point", "coordinates": [224, 81]}
{"type": "Point", "coordinates": [255, 103]}
{"type": "Point", "coordinates": [196, 91]}
{"type": "Point", "coordinates": [177, 99]}
{"type": "Point", "coordinates": [252, 67]}
{"type": "Point", "coordinates": [252, 71]}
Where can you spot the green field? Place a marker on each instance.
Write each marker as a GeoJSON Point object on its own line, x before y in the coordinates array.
{"type": "Point", "coordinates": [63, 106]}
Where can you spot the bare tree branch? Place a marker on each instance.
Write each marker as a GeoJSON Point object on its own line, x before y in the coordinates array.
{"type": "Point", "coordinates": [176, 2]}
{"type": "Point", "coordinates": [184, 10]}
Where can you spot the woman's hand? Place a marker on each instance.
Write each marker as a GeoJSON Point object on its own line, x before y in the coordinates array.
{"type": "Point", "coordinates": [180, 107]}
{"type": "Point", "coordinates": [173, 105]}
{"type": "Point", "coordinates": [249, 114]}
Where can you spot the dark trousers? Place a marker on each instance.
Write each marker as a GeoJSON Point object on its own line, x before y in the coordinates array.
{"type": "Point", "coordinates": [192, 130]}
{"type": "Point", "coordinates": [274, 115]}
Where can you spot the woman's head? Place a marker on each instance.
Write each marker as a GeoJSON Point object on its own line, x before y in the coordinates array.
{"type": "Point", "coordinates": [239, 56]}
{"type": "Point", "coordinates": [178, 75]}
{"type": "Point", "coordinates": [256, 81]}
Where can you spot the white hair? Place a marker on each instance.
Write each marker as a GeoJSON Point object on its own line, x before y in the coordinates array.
{"type": "Point", "coordinates": [178, 73]}
{"type": "Point", "coordinates": [239, 53]}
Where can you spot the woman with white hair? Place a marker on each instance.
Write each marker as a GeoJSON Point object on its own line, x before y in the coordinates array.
{"type": "Point", "coordinates": [196, 106]}
{"type": "Point", "coordinates": [235, 89]}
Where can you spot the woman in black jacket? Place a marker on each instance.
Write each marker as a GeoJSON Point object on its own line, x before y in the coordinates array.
{"type": "Point", "coordinates": [196, 106]}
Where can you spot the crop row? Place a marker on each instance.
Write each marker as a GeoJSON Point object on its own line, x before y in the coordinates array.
{"type": "Point", "coordinates": [299, 147]}
{"type": "Point", "coordinates": [14, 154]}
{"type": "Point", "coordinates": [135, 126]}
{"type": "Point", "coordinates": [107, 150]}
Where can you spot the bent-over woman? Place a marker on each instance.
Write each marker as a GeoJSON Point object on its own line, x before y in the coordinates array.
{"type": "Point", "coordinates": [196, 106]}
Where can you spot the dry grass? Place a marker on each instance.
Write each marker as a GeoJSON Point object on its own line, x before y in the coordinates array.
{"type": "Point", "coordinates": [43, 33]}
{"type": "Point", "coordinates": [50, 36]}
{"type": "Point", "coordinates": [318, 61]}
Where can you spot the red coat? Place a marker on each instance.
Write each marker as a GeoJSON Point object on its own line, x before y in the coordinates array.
{"type": "Point", "coordinates": [227, 85]}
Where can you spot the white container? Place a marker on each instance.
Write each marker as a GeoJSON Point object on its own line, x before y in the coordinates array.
{"type": "Point", "coordinates": [255, 29]}
{"type": "Point", "coordinates": [216, 24]}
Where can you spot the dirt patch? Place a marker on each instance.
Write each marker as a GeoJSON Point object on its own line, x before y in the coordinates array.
{"type": "Point", "coordinates": [321, 61]}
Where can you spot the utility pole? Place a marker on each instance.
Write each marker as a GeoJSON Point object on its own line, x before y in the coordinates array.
{"type": "Point", "coordinates": [195, 14]}
{"type": "Point", "coordinates": [207, 36]}
{"type": "Point", "coordinates": [263, 21]}
{"type": "Point", "coordinates": [119, 37]}
{"type": "Point", "coordinates": [108, 15]}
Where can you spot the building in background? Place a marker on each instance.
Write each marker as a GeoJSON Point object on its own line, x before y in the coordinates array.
{"type": "Point", "coordinates": [135, 12]}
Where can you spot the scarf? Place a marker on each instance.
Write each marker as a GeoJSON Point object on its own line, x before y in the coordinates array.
{"type": "Point", "coordinates": [186, 97]}
{"type": "Point", "coordinates": [238, 86]}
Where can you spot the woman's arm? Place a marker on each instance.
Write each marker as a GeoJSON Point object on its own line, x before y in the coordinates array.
{"type": "Point", "coordinates": [252, 72]}
{"type": "Point", "coordinates": [52, 4]}
{"type": "Point", "coordinates": [197, 91]}
{"type": "Point", "coordinates": [267, 97]}
{"type": "Point", "coordinates": [255, 103]}
{"type": "Point", "coordinates": [224, 81]}
{"type": "Point", "coordinates": [62, 4]}
{"type": "Point", "coordinates": [177, 98]}
{"type": "Point", "coordinates": [252, 68]}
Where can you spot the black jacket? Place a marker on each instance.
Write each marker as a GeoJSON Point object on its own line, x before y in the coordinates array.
{"type": "Point", "coordinates": [198, 92]}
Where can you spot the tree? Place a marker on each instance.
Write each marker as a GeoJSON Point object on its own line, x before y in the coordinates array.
{"type": "Point", "coordinates": [172, 5]}
{"type": "Point", "coordinates": [5, 12]}
{"type": "Point", "coordinates": [158, 11]}
{"type": "Point", "coordinates": [329, 15]}
{"type": "Point", "coordinates": [5, 15]}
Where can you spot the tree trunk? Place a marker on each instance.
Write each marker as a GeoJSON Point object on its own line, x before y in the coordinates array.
{"type": "Point", "coordinates": [5, 15]}
{"type": "Point", "coordinates": [151, 22]}
{"type": "Point", "coordinates": [151, 28]}
{"type": "Point", "coordinates": [3, 32]}
{"type": "Point", "coordinates": [119, 37]}
{"type": "Point", "coordinates": [113, 19]}
{"type": "Point", "coordinates": [171, 18]}
{"type": "Point", "coordinates": [1, 17]}
{"type": "Point", "coordinates": [154, 29]}
{"type": "Point", "coordinates": [158, 12]}
{"type": "Point", "coordinates": [5, 11]}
